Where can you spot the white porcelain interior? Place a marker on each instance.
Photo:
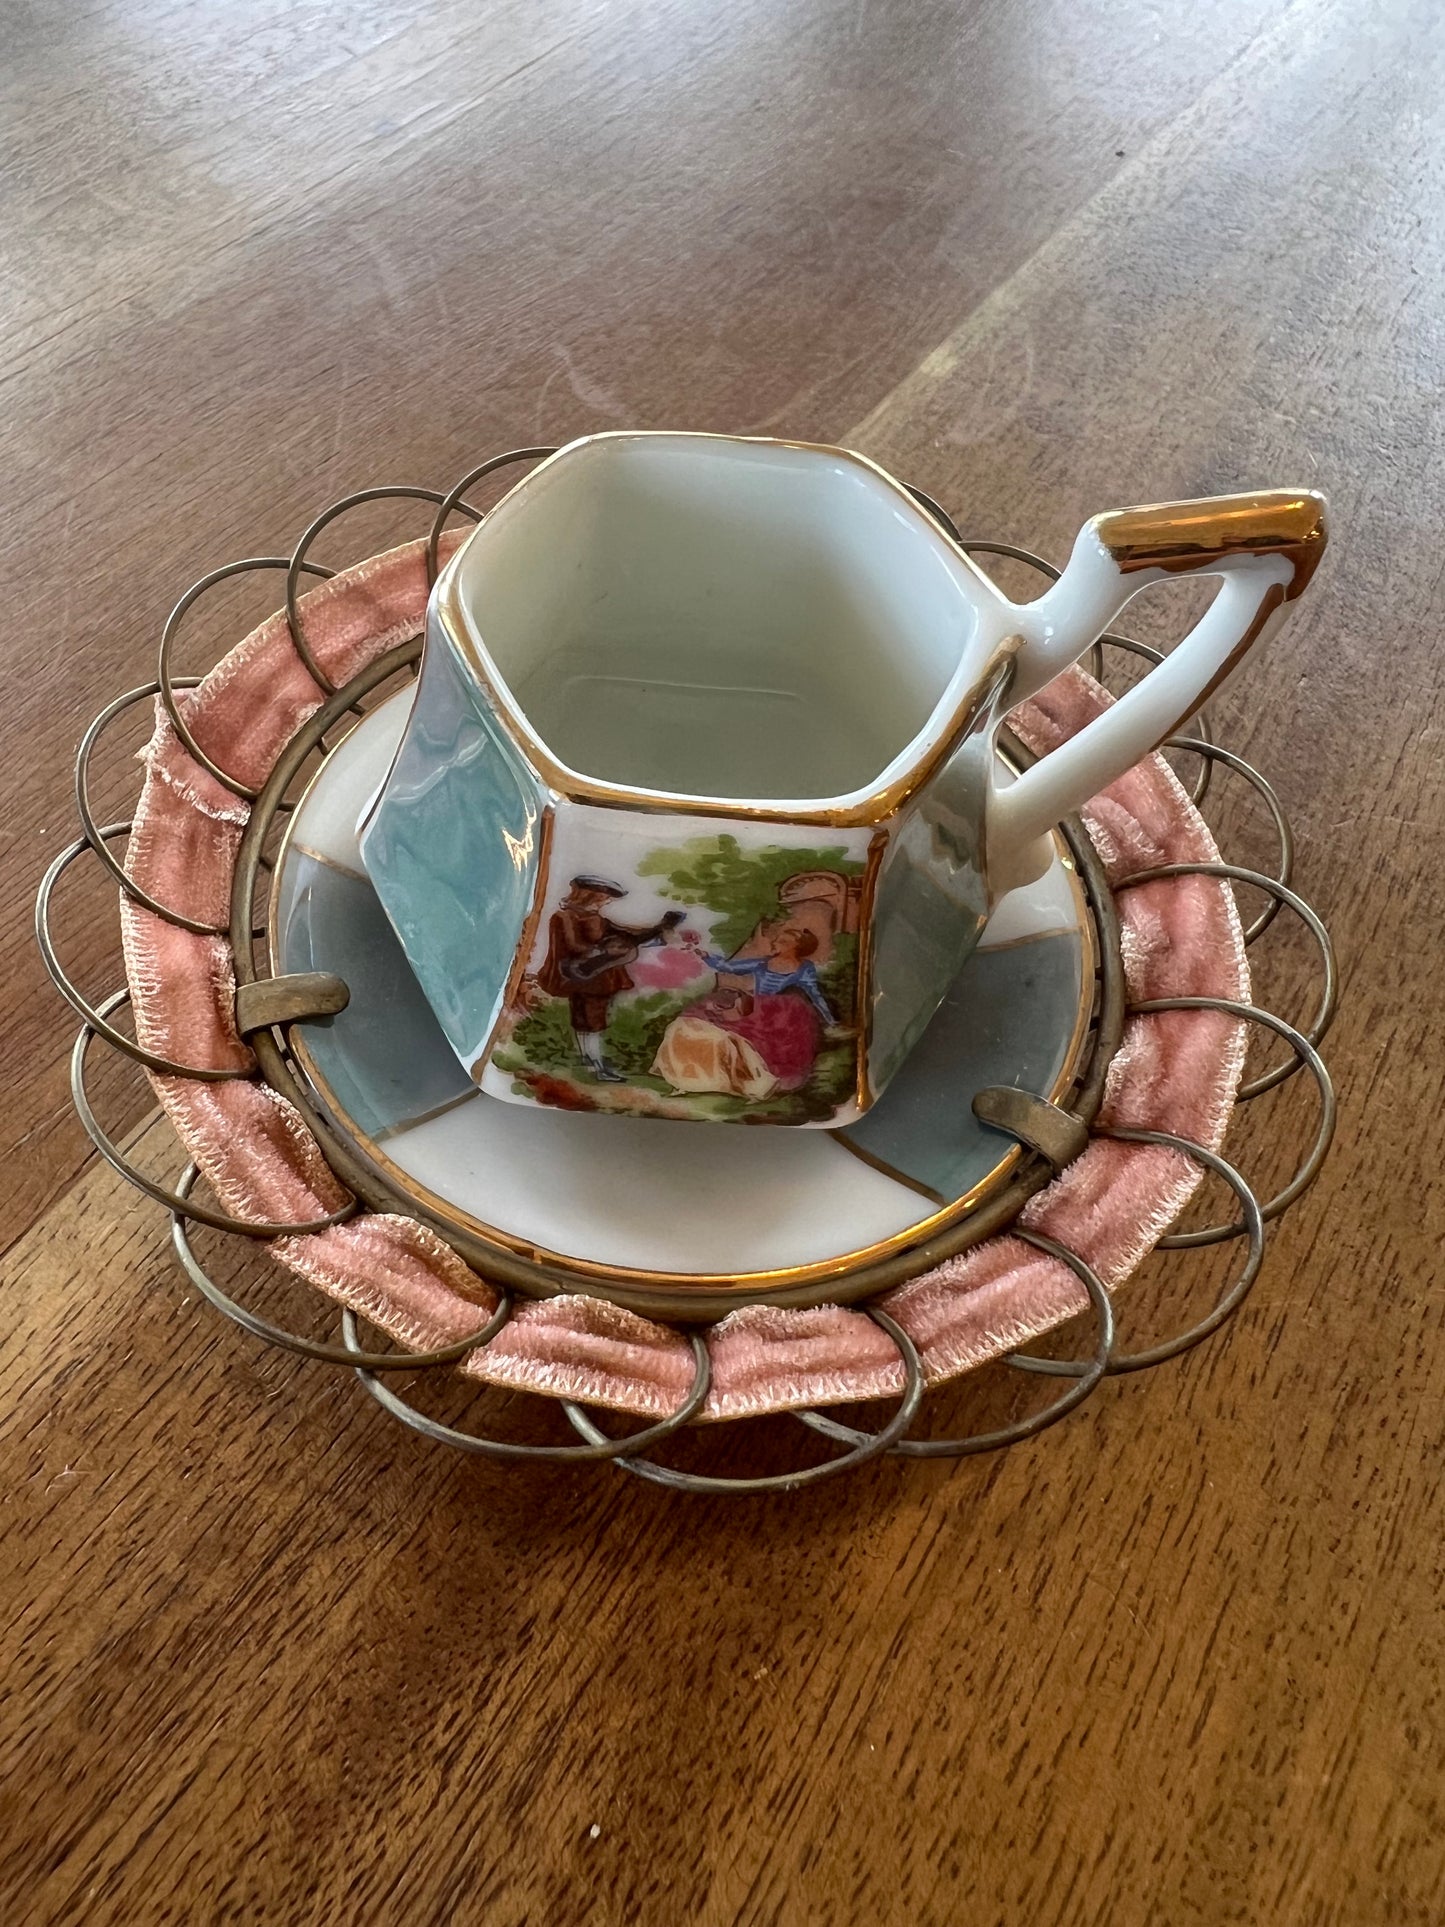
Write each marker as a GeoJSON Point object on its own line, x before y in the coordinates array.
{"type": "Point", "coordinates": [735, 619]}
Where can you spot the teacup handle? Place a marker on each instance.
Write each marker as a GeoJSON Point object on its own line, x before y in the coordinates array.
{"type": "Point", "coordinates": [1264, 547]}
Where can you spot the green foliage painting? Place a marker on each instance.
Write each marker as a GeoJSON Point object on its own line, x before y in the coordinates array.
{"type": "Point", "coordinates": [703, 1041]}
{"type": "Point", "coordinates": [741, 885]}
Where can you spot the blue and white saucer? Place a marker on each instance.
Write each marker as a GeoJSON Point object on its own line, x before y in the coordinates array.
{"type": "Point", "coordinates": [645, 1200]}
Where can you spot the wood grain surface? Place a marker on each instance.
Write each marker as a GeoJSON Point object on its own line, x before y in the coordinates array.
{"type": "Point", "coordinates": [265, 1657]}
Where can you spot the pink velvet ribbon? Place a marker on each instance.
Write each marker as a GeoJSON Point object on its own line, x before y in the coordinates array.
{"type": "Point", "coordinates": [1175, 1072]}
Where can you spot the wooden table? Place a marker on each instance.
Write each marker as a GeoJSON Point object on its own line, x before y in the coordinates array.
{"type": "Point", "coordinates": [268, 1659]}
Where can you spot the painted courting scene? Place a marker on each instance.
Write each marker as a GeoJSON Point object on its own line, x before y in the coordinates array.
{"type": "Point", "coordinates": [739, 1003]}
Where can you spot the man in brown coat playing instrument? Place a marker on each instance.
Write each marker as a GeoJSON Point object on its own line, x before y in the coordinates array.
{"type": "Point", "coordinates": [587, 959]}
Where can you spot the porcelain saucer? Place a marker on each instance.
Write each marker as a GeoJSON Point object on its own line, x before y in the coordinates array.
{"type": "Point", "coordinates": [625, 1198]}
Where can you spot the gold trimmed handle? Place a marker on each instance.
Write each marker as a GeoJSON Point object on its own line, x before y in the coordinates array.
{"type": "Point", "coordinates": [1184, 537]}
{"type": "Point", "coordinates": [1264, 546]}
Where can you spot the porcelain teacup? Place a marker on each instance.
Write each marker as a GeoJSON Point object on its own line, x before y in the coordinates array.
{"type": "Point", "coordinates": [698, 810]}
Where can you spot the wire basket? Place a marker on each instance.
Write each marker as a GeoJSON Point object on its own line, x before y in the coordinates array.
{"type": "Point", "coordinates": [1051, 1135]}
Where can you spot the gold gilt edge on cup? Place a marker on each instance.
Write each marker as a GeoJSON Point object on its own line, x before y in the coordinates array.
{"type": "Point", "coordinates": [569, 785]}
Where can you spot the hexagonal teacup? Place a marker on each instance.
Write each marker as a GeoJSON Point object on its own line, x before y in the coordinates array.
{"type": "Point", "coordinates": [698, 812]}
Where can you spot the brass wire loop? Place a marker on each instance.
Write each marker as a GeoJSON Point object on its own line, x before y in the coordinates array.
{"type": "Point", "coordinates": [1329, 990]}
{"type": "Point", "coordinates": [1036, 1422]}
{"type": "Point", "coordinates": [1224, 1307]}
{"type": "Point", "coordinates": [97, 1021]}
{"type": "Point", "coordinates": [598, 1447]}
{"type": "Point", "coordinates": [186, 1207]}
{"type": "Point", "coordinates": [866, 1446]}
{"type": "Point", "coordinates": [403, 491]}
{"type": "Point", "coordinates": [346, 1355]}
{"type": "Point", "coordinates": [96, 837]}
{"type": "Point", "coordinates": [168, 684]}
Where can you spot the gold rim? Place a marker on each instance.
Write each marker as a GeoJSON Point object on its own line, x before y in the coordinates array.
{"type": "Point", "coordinates": [547, 822]}
{"type": "Point", "coordinates": [1182, 538]}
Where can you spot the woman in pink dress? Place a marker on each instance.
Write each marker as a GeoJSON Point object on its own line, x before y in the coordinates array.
{"type": "Point", "coordinates": [756, 1041]}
